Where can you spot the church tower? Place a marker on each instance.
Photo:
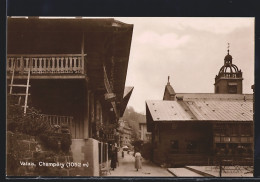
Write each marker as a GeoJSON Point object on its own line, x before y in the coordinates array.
{"type": "Point", "coordinates": [229, 78]}
{"type": "Point", "coordinates": [169, 93]}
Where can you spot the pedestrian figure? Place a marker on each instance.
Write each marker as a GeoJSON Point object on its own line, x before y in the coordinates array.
{"type": "Point", "coordinates": [138, 160]}
{"type": "Point", "coordinates": [113, 158]}
{"type": "Point", "coordinates": [117, 162]}
{"type": "Point", "coordinates": [122, 153]}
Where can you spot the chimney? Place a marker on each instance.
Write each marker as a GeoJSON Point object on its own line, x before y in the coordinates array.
{"type": "Point", "coordinates": [179, 98]}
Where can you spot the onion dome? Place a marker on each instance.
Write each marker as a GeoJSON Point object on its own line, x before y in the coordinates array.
{"type": "Point", "coordinates": [228, 66]}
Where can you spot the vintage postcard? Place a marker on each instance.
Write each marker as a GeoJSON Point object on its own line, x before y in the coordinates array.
{"type": "Point", "coordinates": [130, 96]}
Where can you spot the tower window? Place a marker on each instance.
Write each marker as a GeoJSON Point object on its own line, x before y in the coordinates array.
{"type": "Point", "coordinates": [232, 87]}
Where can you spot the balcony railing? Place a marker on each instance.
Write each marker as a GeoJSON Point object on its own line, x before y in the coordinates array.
{"type": "Point", "coordinates": [233, 139]}
{"type": "Point", "coordinates": [58, 120]}
{"type": "Point", "coordinates": [229, 75]}
{"type": "Point", "coordinates": [46, 63]}
{"type": "Point", "coordinates": [110, 137]}
{"type": "Point", "coordinates": [62, 121]}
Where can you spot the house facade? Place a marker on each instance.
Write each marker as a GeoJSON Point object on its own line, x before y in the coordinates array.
{"type": "Point", "coordinates": [204, 128]}
{"type": "Point", "coordinates": [75, 69]}
{"type": "Point", "coordinates": [126, 133]}
{"type": "Point", "coordinates": [144, 135]}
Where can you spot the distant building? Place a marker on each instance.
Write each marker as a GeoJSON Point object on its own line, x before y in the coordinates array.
{"type": "Point", "coordinates": [202, 129]}
{"type": "Point", "coordinates": [125, 133]}
{"type": "Point", "coordinates": [144, 135]}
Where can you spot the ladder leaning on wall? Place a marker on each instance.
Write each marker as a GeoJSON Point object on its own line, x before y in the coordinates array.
{"type": "Point", "coordinates": [26, 94]}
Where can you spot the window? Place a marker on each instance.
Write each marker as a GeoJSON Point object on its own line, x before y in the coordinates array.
{"type": "Point", "coordinates": [232, 87]}
{"type": "Point", "coordinates": [191, 147]}
{"type": "Point", "coordinates": [226, 139]}
{"type": "Point", "coordinates": [245, 139]}
{"type": "Point", "coordinates": [174, 146]}
{"type": "Point", "coordinates": [219, 129]}
{"type": "Point", "coordinates": [246, 129]}
{"type": "Point", "coordinates": [220, 148]}
{"type": "Point", "coordinates": [235, 139]}
{"type": "Point", "coordinates": [217, 139]}
{"type": "Point", "coordinates": [233, 129]}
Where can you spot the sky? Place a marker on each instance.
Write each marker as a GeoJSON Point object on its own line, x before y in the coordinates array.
{"type": "Point", "coordinates": [189, 50]}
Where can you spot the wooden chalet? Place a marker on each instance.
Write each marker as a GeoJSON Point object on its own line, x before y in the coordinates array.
{"type": "Point", "coordinates": [74, 72]}
{"type": "Point", "coordinates": [204, 128]}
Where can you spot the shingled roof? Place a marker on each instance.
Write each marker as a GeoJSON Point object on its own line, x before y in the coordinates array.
{"type": "Point", "coordinates": [203, 107]}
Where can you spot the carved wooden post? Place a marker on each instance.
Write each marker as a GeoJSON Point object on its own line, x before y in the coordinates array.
{"type": "Point", "coordinates": [56, 64]}
{"type": "Point", "coordinates": [66, 65]}
{"type": "Point", "coordinates": [70, 65]}
{"type": "Point", "coordinates": [50, 119]}
{"type": "Point", "coordinates": [31, 65]}
{"type": "Point", "coordinates": [57, 120]}
{"type": "Point", "coordinates": [40, 65]}
{"type": "Point", "coordinates": [49, 65]}
{"type": "Point", "coordinates": [22, 65]}
{"type": "Point", "coordinates": [52, 64]}
{"type": "Point", "coordinates": [61, 66]}
{"type": "Point", "coordinates": [82, 54]}
{"type": "Point", "coordinates": [44, 69]}
{"type": "Point", "coordinates": [74, 66]}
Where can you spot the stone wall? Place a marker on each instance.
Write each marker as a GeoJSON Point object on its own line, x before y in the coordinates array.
{"type": "Point", "coordinates": [20, 148]}
{"type": "Point", "coordinates": [24, 153]}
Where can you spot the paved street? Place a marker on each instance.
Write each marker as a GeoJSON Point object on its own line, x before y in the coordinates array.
{"type": "Point", "coordinates": [228, 171]}
{"type": "Point", "coordinates": [126, 168]}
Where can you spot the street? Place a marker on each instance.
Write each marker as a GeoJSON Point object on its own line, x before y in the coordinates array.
{"type": "Point", "coordinates": [126, 168]}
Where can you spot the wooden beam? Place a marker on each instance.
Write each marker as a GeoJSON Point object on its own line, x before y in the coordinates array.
{"type": "Point", "coordinates": [43, 55]}
{"type": "Point", "coordinates": [38, 77]}
{"type": "Point", "coordinates": [82, 54]}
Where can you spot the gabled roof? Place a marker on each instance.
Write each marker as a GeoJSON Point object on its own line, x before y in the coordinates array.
{"type": "Point", "coordinates": [231, 110]}
{"type": "Point", "coordinates": [203, 107]}
{"type": "Point", "coordinates": [127, 94]}
{"type": "Point", "coordinates": [128, 90]}
{"type": "Point", "coordinates": [168, 111]}
{"type": "Point", "coordinates": [191, 96]}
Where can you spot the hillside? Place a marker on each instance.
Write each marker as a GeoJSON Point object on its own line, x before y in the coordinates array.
{"type": "Point", "coordinates": [133, 118]}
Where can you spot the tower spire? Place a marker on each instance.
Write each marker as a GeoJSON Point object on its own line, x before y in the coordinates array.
{"type": "Point", "coordinates": [228, 48]}
{"type": "Point", "coordinates": [229, 78]}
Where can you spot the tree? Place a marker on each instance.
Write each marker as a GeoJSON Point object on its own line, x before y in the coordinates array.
{"type": "Point", "coordinates": [133, 118]}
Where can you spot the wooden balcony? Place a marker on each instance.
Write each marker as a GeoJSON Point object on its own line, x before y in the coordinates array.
{"type": "Point", "coordinates": [47, 65]}
{"type": "Point", "coordinates": [110, 137]}
{"type": "Point", "coordinates": [58, 120]}
{"type": "Point", "coordinates": [62, 121]}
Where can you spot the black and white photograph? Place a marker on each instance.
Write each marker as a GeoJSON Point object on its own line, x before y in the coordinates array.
{"type": "Point", "coordinates": [130, 96]}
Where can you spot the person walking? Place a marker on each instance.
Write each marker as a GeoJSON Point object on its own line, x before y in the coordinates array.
{"type": "Point", "coordinates": [138, 161]}
{"type": "Point", "coordinates": [122, 153]}
{"type": "Point", "coordinates": [113, 158]}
